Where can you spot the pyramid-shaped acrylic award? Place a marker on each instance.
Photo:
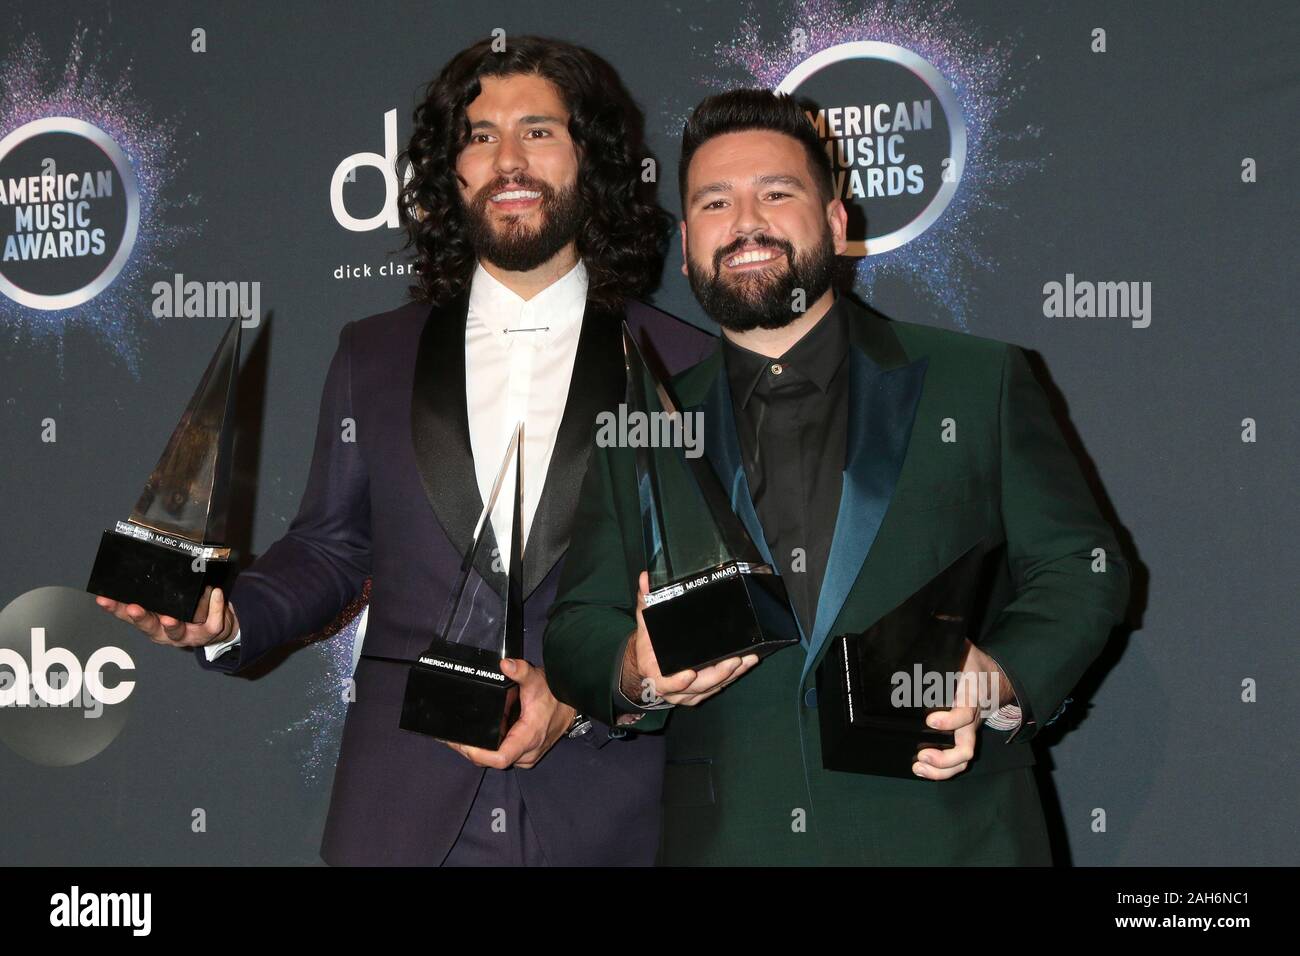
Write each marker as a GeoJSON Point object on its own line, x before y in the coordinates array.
{"type": "Point", "coordinates": [168, 555]}
{"type": "Point", "coordinates": [711, 596]}
{"type": "Point", "coordinates": [456, 690]}
{"type": "Point", "coordinates": [875, 688]}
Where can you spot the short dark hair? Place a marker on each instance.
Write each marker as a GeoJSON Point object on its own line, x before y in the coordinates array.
{"type": "Point", "coordinates": [753, 109]}
{"type": "Point", "coordinates": [624, 236]}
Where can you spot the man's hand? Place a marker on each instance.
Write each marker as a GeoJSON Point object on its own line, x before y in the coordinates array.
{"type": "Point", "coordinates": [642, 682]}
{"type": "Point", "coordinates": [981, 689]}
{"type": "Point", "coordinates": [542, 720]}
{"type": "Point", "coordinates": [217, 621]}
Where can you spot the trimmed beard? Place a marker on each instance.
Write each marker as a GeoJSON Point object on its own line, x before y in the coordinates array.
{"type": "Point", "coordinates": [513, 247]}
{"type": "Point", "coordinates": [759, 300]}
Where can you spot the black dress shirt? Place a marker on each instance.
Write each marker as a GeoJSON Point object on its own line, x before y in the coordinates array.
{"type": "Point", "coordinates": [792, 419]}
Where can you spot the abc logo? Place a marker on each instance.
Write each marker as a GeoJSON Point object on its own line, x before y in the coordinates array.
{"type": "Point", "coordinates": [38, 677]}
{"type": "Point", "coordinates": [65, 688]}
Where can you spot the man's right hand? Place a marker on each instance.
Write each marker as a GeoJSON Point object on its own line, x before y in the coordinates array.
{"type": "Point", "coordinates": [642, 682]}
{"type": "Point", "coordinates": [217, 621]}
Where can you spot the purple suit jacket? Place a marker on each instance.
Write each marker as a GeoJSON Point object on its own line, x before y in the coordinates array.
{"type": "Point", "coordinates": [398, 505]}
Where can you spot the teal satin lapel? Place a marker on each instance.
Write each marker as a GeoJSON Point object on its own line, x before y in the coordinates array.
{"type": "Point", "coordinates": [882, 408]}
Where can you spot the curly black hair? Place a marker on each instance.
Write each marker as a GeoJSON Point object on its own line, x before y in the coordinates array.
{"type": "Point", "coordinates": [624, 235]}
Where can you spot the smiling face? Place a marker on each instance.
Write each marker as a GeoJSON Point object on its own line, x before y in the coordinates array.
{"type": "Point", "coordinates": [756, 229]}
{"type": "Point", "coordinates": [518, 173]}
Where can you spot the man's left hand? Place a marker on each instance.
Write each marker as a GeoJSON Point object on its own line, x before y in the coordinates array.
{"type": "Point", "coordinates": [542, 721]}
{"type": "Point", "coordinates": [981, 689]}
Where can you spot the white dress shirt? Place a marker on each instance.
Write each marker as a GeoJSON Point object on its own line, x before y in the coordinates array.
{"type": "Point", "coordinates": [519, 357]}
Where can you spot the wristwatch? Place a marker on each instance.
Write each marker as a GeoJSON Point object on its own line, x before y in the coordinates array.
{"type": "Point", "coordinates": [581, 724]}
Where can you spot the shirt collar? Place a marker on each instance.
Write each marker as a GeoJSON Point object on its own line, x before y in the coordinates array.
{"type": "Point", "coordinates": [550, 313]}
{"type": "Point", "coordinates": [817, 356]}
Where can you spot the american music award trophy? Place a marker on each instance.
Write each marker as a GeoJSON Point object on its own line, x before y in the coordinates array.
{"type": "Point", "coordinates": [868, 724]}
{"type": "Point", "coordinates": [711, 595]}
{"type": "Point", "coordinates": [167, 556]}
{"type": "Point", "coordinates": [456, 690]}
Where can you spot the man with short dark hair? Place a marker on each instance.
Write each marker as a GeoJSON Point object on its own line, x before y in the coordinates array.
{"type": "Point", "coordinates": [826, 424]}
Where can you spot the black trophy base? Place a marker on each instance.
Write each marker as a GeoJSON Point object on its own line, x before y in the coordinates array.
{"type": "Point", "coordinates": [459, 694]}
{"type": "Point", "coordinates": [883, 749]}
{"type": "Point", "coordinates": [158, 577]}
{"type": "Point", "coordinates": [864, 729]}
{"type": "Point", "coordinates": [876, 688]}
{"type": "Point", "coordinates": [729, 611]}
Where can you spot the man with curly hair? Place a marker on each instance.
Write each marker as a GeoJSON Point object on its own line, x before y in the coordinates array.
{"type": "Point", "coordinates": [533, 233]}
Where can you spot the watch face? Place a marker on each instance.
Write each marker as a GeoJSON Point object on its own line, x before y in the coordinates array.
{"type": "Point", "coordinates": [580, 728]}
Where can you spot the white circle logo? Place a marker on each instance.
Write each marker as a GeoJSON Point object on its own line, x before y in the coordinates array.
{"type": "Point", "coordinates": [897, 159]}
{"type": "Point", "coordinates": [69, 212]}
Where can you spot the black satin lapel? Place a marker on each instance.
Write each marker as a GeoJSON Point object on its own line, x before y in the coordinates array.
{"type": "Point", "coordinates": [440, 435]}
{"type": "Point", "coordinates": [598, 383]}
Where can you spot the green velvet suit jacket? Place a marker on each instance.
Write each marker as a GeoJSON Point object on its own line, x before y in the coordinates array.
{"type": "Point", "coordinates": [951, 441]}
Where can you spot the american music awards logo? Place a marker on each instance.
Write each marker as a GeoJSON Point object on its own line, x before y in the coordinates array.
{"type": "Point", "coordinates": [897, 159]}
{"type": "Point", "coordinates": [69, 212]}
{"type": "Point", "coordinates": [910, 102]}
{"type": "Point", "coordinates": [86, 199]}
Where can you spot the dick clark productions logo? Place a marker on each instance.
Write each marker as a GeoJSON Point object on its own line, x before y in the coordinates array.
{"type": "Point", "coordinates": [896, 160]}
{"type": "Point", "coordinates": [69, 212]}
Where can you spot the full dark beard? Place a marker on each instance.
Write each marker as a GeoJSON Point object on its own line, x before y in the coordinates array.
{"type": "Point", "coordinates": [761, 300]}
{"type": "Point", "coordinates": [516, 248]}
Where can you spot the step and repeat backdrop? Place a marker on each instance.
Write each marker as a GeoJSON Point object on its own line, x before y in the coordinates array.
{"type": "Point", "coordinates": [1110, 185]}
